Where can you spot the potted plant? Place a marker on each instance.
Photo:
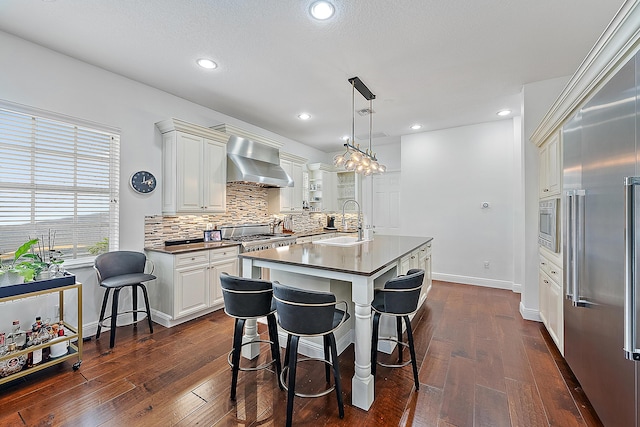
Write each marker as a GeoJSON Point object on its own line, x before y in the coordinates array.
{"type": "Point", "coordinates": [27, 264]}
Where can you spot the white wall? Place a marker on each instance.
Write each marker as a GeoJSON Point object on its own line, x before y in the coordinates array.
{"type": "Point", "coordinates": [446, 176]}
{"type": "Point", "coordinates": [44, 79]}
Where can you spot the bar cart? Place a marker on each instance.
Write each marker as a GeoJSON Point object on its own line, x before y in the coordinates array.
{"type": "Point", "coordinates": [73, 333]}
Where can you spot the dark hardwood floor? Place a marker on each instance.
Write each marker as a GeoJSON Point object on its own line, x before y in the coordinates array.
{"type": "Point", "coordinates": [480, 364]}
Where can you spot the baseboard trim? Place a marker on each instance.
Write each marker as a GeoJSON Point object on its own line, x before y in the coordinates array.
{"type": "Point", "coordinates": [477, 281]}
{"type": "Point", "coordinates": [529, 313]}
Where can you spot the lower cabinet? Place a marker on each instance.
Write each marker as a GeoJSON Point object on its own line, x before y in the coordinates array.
{"type": "Point", "coordinates": [419, 258]}
{"type": "Point", "coordinates": [315, 237]}
{"type": "Point", "coordinates": [188, 284]}
{"type": "Point", "coordinates": [551, 299]}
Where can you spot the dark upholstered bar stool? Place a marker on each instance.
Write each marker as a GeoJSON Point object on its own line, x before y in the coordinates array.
{"type": "Point", "coordinates": [303, 313]}
{"type": "Point", "coordinates": [398, 298]}
{"type": "Point", "coordinates": [249, 299]}
{"type": "Point", "coordinates": [115, 271]}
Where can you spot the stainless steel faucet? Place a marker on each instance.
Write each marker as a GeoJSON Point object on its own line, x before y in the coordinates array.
{"type": "Point", "coordinates": [344, 221]}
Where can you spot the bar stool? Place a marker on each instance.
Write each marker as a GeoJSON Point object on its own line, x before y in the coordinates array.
{"type": "Point", "coordinates": [303, 313]}
{"type": "Point", "coordinates": [249, 299]}
{"type": "Point", "coordinates": [398, 298]}
{"type": "Point", "coordinates": [116, 270]}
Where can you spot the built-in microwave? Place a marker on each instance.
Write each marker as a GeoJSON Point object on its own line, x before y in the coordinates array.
{"type": "Point", "coordinates": [548, 224]}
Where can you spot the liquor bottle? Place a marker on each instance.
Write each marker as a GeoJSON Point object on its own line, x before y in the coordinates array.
{"type": "Point", "coordinates": [19, 336]}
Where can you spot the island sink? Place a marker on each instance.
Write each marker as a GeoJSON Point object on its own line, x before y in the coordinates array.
{"type": "Point", "coordinates": [340, 241]}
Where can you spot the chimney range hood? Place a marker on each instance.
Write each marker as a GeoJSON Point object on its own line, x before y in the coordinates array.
{"type": "Point", "coordinates": [251, 162]}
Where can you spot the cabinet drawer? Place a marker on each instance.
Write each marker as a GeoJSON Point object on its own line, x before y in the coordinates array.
{"type": "Point", "coordinates": [553, 271]}
{"type": "Point", "coordinates": [191, 258]}
{"type": "Point", "coordinates": [223, 253]}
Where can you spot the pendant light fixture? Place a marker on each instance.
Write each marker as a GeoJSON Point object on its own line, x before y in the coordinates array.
{"type": "Point", "coordinates": [355, 159]}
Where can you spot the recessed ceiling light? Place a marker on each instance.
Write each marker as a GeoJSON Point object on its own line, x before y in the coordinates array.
{"type": "Point", "coordinates": [416, 126]}
{"type": "Point", "coordinates": [207, 63]}
{"type": "Point", "coordinates": [504, 112]}
{"type": "Point", "coordinates": [304, 116]}
{"type": "Point", "coordinates": [322, 10]}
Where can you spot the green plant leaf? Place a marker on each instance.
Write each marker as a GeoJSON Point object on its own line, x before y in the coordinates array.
{"type": "Point", "coordinates": [26, 247]}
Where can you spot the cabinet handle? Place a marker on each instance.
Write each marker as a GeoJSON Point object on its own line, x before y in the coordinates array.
{"type": "Point", "coordinates": [545, 281]}
{"type": "Point", "coordinates": [413, 257]}
{"type": "Point", "coordinates": [553, 272]}
{"type": "Point", "coordinates": [543, 263]}
{"type": "Point", "coordinates": [193, 258]}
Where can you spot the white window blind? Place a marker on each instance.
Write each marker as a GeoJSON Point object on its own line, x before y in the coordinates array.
{"type": "Point", "coordinates": [58, 183]}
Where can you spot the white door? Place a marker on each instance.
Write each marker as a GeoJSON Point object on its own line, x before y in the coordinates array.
{"type": "Point", "coordinates": [386, 203]}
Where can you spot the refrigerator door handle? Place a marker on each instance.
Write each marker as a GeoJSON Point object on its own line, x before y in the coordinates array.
{"type": "Point", "coordinates": [631, 351]}
{"type": "Point", "coordinates": [569, 238]}
{"type": "Point", "coordinates": [578, 248]}
{"type": "Point", "coordinates": [574, 226]}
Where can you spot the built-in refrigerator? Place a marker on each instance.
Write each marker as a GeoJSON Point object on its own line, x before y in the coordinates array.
{"type": "Point", "coordinates": [601, 209]}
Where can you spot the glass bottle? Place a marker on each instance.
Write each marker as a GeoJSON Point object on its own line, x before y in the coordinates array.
{"type": "Point", "coordinates": [19, 336]}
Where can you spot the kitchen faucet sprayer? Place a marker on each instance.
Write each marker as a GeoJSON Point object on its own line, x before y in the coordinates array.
{"type": "Point", "coordinates": [344, 221]}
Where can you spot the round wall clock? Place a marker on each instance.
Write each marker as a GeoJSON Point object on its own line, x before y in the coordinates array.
{"type": "Point", "coordinates": [143, 182]}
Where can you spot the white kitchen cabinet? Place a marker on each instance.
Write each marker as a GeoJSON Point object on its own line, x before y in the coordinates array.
{"type": "Point", "coordinates": [551, 299]}
{"type": "Point", "coordinates": [289, 199]}
{"type": "Point", "coordinates": [347, 187]}
{"type": "Point", "coordinates": [550, 172]}
{"type": "Point", "coordinates": [221, 262]}
{"type": "Point", "coordinates": [314, 238]}
{"type": "Point", "coordinates": [420, 258]}
{"type": "Point", "coordinates": [191, 293]}
{"type": "Point", "coordinates": [194, 168]}
{"type": "Point", "coordinates": [188, 284]}
{"type": "Point", "coordinates": [322, 188]}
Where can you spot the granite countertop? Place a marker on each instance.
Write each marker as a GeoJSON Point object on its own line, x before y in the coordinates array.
{"type": "Point", "coordinates": [192, 247]}
{"type": "Point", "coordinates": [363, 259]}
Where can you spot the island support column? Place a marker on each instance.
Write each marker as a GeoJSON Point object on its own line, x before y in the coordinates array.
{"type": "Point", "coordinates": [362, 383]}
{"type": "Point", "coordinates": [250, 325]}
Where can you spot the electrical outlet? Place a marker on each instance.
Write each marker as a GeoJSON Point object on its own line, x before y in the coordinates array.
{"type": "Point", "coordinates": [486, 264]}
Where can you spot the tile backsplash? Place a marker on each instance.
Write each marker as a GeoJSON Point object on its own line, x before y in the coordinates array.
{"type": "Point", "coordinates": [246, 204]}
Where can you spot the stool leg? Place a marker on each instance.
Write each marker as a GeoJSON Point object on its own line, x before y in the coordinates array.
{"type": "Point", "coordinates": [104, 306]}
{"type": "Point", "coordinates": [412, 351]}
{"type": "Point", "coordinates": [134, 308]}
{"type": "Point", "coordinates": [114, 316]}
{"type": "Point", "coordinates": [399, 332]}
{"type": "Point", "coordinates": [275, 345]}
{"type": "Point", "coordinates": [293, 359]}
{"type": "Point", "coordinates": [146, 303]}
{"type": "Point", "coordinates": [286, 351]}
{"type": "Point", "coordinates": [374, 343]}
{"type": "Point", "coordinates": [336, 373]}
{"type": "Point", "coordinates": [235, 356]}
{"type": "Point", "coordinates": [327, 348]}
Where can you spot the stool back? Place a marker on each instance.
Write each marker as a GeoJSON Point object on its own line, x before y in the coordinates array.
{"type": "Point", "coordinates": [402, 293]}
{"type": "Point", "coordinates": [246, 298]}
{"type": "Point", "coordinates": [118, 263]}
{"type": "Point", "coordinates": [303, 312]}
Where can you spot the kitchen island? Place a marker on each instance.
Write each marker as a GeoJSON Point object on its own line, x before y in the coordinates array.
{"type": "Point", "coordinates": [358, 265]}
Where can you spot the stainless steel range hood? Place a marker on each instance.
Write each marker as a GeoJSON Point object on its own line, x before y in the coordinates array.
{"type": "Point", "coordinates": [251, 162]}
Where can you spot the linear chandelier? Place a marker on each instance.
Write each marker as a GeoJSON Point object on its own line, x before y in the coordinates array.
{"type": "Point", "coordinates": [354, 159]}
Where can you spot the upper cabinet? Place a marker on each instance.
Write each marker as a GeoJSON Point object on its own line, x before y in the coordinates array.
{"type": "Point", "coordinates": [322, 188]}
{"type": "Point", "coordinates": [289, 199]}
{"type": "Point", "coordinates": [347, 187]}
{"type": "Point", "coordinates": [194, 168]}
{"type": "Point", "coordinates": [550, 172]}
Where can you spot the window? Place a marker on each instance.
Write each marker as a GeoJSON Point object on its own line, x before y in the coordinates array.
{"type": "Point", "coordinates": [58, 183]}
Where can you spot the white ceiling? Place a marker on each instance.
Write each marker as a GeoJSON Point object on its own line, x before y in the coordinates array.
{"type": "Point", "coordinates": [441, 63]}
